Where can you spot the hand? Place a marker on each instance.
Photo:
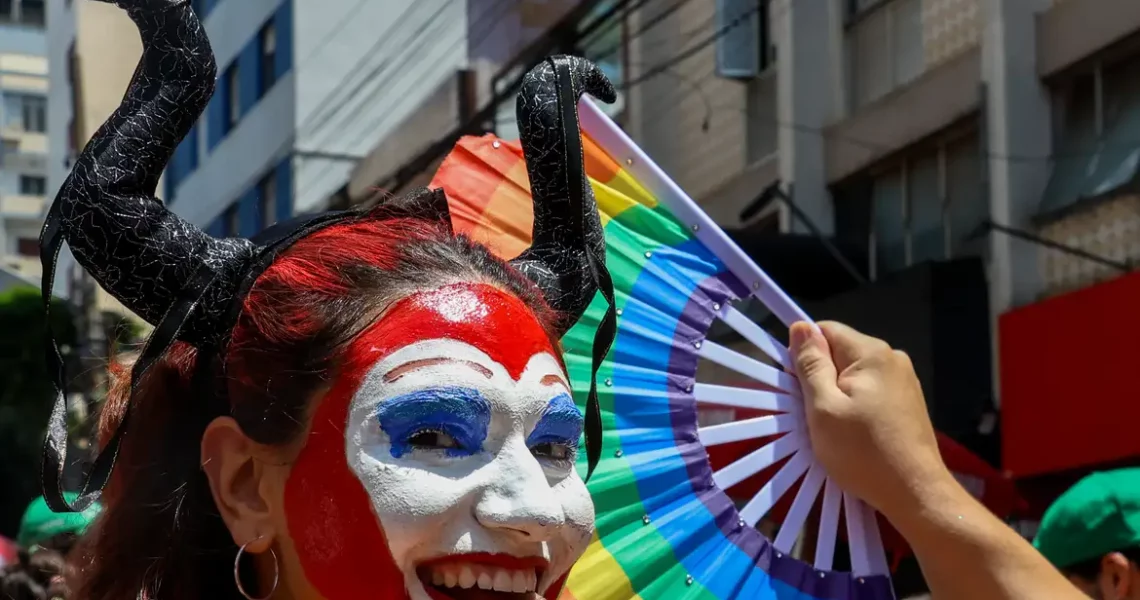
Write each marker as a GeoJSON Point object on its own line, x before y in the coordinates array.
{"type": "Point", "coordinates": [866, 416]}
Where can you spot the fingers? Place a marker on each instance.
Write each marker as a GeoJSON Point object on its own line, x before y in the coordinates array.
{"type": "Point", "coordinates": [848, 345]}
{"type": "Point", "coordinates": [814, 366]}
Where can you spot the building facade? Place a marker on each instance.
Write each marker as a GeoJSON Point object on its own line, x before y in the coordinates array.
{"type": "Point", "coordinates": [23, 135]}
{"type": "Point", "coordinates": [304, 89]}
{"type": "Point", "coordinates": [974, 161]}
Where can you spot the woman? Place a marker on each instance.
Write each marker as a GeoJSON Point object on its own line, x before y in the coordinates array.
{"type": "Point", "coordinates": [350, 406]}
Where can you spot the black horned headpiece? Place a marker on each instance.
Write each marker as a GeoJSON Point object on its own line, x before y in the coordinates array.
{"type": "Point", "coordinates": [189, 284]}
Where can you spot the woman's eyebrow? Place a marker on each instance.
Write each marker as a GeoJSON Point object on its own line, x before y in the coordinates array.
{"type": "Point", "coordinates": [552, 379]}
{"type": "Point", "coordinates": [408, 367]}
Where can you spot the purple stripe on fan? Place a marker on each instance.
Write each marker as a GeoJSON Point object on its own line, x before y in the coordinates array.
{"type": "Point", "coordinates": [697, 316]}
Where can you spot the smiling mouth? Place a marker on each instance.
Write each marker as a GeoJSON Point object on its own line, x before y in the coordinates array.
{"type": "Point", "coordinates": [482, 577]}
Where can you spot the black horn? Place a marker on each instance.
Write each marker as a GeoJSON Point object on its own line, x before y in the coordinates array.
{"type": "Point", "coordinates": [567, 228]}
{"type": "Point", "coordinates": [163, 268]}
{"type": "Point", "coordinates": [567, 257]}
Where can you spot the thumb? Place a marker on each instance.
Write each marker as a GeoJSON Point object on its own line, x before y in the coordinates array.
{"type": "Point", "coordinates": [814, 365]}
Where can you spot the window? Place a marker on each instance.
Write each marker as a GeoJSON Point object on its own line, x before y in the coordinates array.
{"type": "Point", "coordinates": [267, 70]}
{"type": "Point", "coordinates": [233, 96]}
{"type": "Point", "coordinates": [232, 221]}
{"type": "Point", "coordinates": [27, 246]}
{"type": "Point", "coordinates": [33, 113]}
{"type": "Point", "coordinates": [744, 49]}
{"type": "Point", "coordinates": [267, 201]}
{"type": "Point", "coordinates": [927, 208]}
{"type": "Point", "coordinates": [32, 13]}
{"type": "Point", "coordinates": [7, 12]}
{"type": "Point", "coordinates": [31, 185]}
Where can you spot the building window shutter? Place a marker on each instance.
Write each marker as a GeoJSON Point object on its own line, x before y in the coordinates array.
{"type": "Point", "coordinates": [738, 49]}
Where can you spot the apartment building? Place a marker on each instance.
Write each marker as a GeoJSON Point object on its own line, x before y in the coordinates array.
{"type": "Point", "coordinates": [972, 161]}
{"type": "Point", "coordinates": [23, 138]}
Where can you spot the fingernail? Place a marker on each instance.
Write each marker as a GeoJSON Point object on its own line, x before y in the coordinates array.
{"type": "Point", "coordinates": [801, 335]}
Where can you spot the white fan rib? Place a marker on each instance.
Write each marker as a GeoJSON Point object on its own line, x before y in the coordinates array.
{"type": "Point", "coordinates": [856, 535]}
{"type": "Point", "coordinates": [776, 487]}
{"type": "Point", "coordinates": [875, 553]}
{"type": "Point", "coordinates": [828, 526]}
{"type": "Point", "coordinates": [738, 397]}
{"type": "Point", "coordinates": [750, 367]}
{"type": "Point", "coordinates": [756, 334]}
{"type": "Point", "coordinates": [801, 507]}
{"type": "Point", "coordinates": [757, 460]}
{"type": "Point", "coordinates": [749, 429]}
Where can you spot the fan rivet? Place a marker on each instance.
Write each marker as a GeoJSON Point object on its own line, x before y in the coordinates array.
{"type": "Point", "coordinates": [696, 227]}
{"type": "Point", "coordinates": [821, 575]}
{"type": "Point", "coordinates": [778, 555]}
{"type": "Point", "coordinates": [645, 519]}
{"type": "Point", "coordinates": [629, 161]}
{"type": "Point", "coordinates": [648, 254]}
{"type": "Point", "coordinates": [619, 311]}
{"type": "Point", "coordinates": [860, 580]}
{"type": "Point", "coordinates": [741, 523]}
{"type": "Point", "coordinates": [689, 388]}
{"type": "Point", "coordinates": [716, 305]}
{"type": "Point", "coordinates": [609, 382]}
{"type": "Point", "coordinates": [756, 285]}
{"type": "Point", "coordinates": [618, 454]}
{"type": "Point", "coordinates": [688, 580]}
{"type": "Point", "coordinates": [697, 344]}
{"type": "Point", "coordinates": [495, 144]}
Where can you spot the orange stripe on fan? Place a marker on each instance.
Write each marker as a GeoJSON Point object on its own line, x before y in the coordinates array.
{"type": "Point", "coordinates": [599, 166]}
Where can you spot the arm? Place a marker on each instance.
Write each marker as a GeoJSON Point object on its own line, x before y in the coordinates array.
{"type": "Point", "coordinates": [869, 427]}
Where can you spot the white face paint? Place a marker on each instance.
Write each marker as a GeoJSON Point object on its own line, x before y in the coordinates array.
{"type": "Point", "coordinates": [459, 459]}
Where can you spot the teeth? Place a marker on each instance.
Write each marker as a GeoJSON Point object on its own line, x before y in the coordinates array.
{"type": "Point", "coordinates": [503, 581]}
{"type": "Point", "coordinates": [466, 577]}
{"type": "Point", "coordinates": [469, 575]}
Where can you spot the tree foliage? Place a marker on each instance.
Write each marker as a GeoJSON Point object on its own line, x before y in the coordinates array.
{"type": "Point", "coordinates": [26, 394]}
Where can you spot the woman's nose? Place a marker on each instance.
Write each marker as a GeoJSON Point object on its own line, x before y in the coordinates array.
{"type": "Point", "coordinates": [520, 500]}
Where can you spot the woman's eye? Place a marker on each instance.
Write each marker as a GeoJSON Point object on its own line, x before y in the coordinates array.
{"type": "Point", "coordinates": [430, 439]}
{"type": "Point", "coordinates": [554, 451]}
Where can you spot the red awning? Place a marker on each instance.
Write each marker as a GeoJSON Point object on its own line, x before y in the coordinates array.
{"type": "Point", "coordinates": [1069, 364]}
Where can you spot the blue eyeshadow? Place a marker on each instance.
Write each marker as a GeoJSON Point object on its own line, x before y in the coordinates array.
{"type": "Point", "coordinates": [462, 413]}
{"type": "Point", "coordinates": [561, 422]}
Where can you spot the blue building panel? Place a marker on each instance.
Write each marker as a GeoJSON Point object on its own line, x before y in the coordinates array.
{"type": "Point", "coordinates": [285, 189]}
{"type": "Point", "coordinates": [283, 23]}
{"type": "Point", "coordinates": [249, 74]}
{"type": "Point", "coordinates": [216, 117]}
{"type": "Point", "coordinates": [248, 217]}
{"type": "Point", "coordinates": [217, 228]}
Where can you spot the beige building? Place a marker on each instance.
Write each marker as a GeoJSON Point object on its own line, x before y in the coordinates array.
{"type": "Point", "coordinates": [23, 137]}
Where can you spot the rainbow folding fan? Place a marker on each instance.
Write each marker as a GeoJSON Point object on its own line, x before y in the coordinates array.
{"type": "Point", "coordinates": [666, 529]}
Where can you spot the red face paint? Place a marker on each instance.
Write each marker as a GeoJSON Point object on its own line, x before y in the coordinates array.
{"type": "Point", "coordinates": [338, 537]}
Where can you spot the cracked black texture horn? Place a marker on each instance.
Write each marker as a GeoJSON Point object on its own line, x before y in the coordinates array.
{"type": "Point", "coordinates": [567, 256]}
{"type": "Point", "coordinates": [160, 266]}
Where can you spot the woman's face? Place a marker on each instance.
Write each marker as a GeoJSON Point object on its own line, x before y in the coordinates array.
{"type": "Point", "coordinates": [441, 464]}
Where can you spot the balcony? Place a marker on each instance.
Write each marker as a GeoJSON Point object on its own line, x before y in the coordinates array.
{"type": "Point", "coordinates": [891, 43]}
{"type": "Point", "coordinates": [16, 205]}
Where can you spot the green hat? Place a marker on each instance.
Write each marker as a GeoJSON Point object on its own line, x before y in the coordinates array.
{"type": "Point", "coordinates": [1098, 515]}
{"type": "Point", "coordinates": [40, 523]}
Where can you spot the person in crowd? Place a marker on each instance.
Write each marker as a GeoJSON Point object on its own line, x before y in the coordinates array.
{"type": "Point", "coordinates": [869, 427]}
{"type": "Point", "coordinates": [40, 527]}
{"type": "Point", "coordinates": [1092, 534]}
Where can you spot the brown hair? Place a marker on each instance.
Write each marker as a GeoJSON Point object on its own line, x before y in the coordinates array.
{"type": "Point", "coordinates": [160, 534]}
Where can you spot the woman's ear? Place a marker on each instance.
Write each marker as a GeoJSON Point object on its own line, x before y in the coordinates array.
{"type": "Point", "coordinates": [235, 475]}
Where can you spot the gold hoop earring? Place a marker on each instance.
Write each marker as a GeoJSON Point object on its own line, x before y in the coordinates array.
{"type": "Point", "coordinates": [237, 574]}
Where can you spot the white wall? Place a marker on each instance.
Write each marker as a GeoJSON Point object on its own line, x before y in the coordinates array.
{"type": "Point", "coordinates": [362, 68]}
